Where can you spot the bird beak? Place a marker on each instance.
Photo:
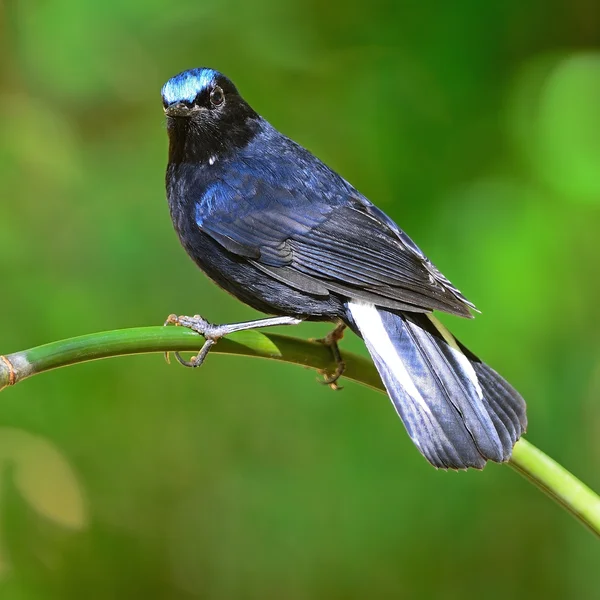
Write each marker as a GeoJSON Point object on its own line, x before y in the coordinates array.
{"type": "Point", "coordinates": [179, 109]}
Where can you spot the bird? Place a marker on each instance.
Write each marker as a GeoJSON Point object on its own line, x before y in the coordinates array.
{"type": "Point", "coordinates": [274, 226]}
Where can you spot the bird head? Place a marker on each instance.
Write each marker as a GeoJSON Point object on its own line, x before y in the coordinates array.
{"type": "Point", "coordinates": [206, 115]}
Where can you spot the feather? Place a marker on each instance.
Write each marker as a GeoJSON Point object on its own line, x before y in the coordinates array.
{"type": "Point", "coordinates": [458, 411]}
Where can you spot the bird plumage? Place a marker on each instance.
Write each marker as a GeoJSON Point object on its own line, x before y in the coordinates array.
{"type": "Point", "coordinates": [280, 230]}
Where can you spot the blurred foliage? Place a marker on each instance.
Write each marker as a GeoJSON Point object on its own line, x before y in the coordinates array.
{"type": "Point", "coordinates": [475, 125]}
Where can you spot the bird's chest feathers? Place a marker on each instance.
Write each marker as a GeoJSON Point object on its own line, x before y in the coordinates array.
{"type": "Point", "coordinates": [199, 192]}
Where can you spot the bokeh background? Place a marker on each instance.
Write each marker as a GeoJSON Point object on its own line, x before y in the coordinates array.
{"type": "Point", "coordinates": [475, 125]}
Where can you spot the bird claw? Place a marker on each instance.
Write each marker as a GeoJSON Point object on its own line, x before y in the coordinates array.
{"type": "Point", "coordinates": [172, 319]}
{"type": "Point", "coordinates": [195, 361]}
{"type": "Point", "coordinates": [331, 380]}
{"type": "Point", "coordinates": [182, 361]}
{"type": "Point", "coordinates": [331, 340]}
{"type": "Point", "coordinates": [211, 334]}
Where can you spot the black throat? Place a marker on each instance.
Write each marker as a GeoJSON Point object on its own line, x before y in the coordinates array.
{"type": "Point", "coordinates": [198, 140]}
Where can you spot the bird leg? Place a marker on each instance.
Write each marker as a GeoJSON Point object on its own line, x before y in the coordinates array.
{"type": "Point", "coordinates": [213, 333]}
{"type": "Point", "coordinates": [331, 340]}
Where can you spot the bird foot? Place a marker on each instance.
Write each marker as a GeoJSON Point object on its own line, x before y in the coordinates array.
{"type": "Point", "coordinates": [331, 340]}
{"type": "Point", "coordinates": [211, 334]}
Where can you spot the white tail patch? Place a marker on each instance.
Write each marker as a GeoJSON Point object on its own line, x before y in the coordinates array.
{"type": "Point", "coordinates": [458, 353]}
{"type": "Point", "coordinates": [377, 339]}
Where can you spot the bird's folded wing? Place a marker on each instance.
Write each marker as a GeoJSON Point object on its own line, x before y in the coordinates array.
{"type": "Point", "coordinates": [320, 247]}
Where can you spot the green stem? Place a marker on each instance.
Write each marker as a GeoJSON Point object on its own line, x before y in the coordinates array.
{"type": "Point", "coordinates": [536, 466]}
{"type": "Point", "coordinates": [558, 483]}
{"type": "Point", "coordinates": [20, 365]}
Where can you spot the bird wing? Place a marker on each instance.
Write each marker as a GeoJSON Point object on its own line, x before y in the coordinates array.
{"type": "Point", "coordinates": [325, 242]}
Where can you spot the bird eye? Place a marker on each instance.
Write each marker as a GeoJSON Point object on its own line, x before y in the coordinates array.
{"type": "Point", "coordinates": [217, 97]}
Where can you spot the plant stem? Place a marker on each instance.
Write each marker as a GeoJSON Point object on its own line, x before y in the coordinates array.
{"type": "Point", "coordinates": [558, 483]}
{"type": "Point", "coordinates": [528, 460]}
{"type": "Point", "coordinates": [20, 365]}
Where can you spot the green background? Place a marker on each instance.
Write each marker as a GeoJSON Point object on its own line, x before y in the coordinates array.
{"type": "Point", "coordinates": [474, 125]}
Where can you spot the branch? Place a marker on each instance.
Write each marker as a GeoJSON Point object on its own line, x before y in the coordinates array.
{"type": "Point", "coordinates": [532, 463]}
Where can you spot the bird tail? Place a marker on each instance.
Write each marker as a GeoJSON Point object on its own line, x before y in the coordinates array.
{"type": "Point", "coordinates": [458, 411]}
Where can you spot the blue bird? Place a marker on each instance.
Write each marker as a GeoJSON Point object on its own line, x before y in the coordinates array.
{"type": "Point", "coordinates": [278, 229]}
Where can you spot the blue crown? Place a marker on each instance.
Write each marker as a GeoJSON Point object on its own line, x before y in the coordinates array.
{"type": "Point", "coordinates": [185, 86]}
